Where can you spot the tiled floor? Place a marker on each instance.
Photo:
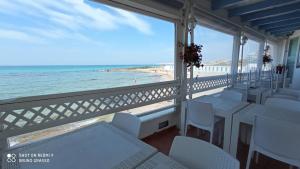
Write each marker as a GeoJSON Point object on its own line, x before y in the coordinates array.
{"type": "Point", "coordinates": [163, 141]}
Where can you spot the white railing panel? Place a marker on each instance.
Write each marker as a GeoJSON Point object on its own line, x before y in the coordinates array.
{"type": "Point", "coordinates": [201, 84]}
{"type": "Point", "coordinates": [39, 112]}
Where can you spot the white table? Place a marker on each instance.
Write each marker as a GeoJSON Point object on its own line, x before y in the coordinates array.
{"type": "Point", "coordinates": [259, 93]}
{"type": "Point", "coordinates": [248, 114]}
{"type": "Point", "coordinates": [224, 108]}
{"type": "Point", "coordinates": [93, 147]}
{"type": "Point", "coordinates": [161, 161]}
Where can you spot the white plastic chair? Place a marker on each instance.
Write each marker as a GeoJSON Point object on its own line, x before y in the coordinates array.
{"type": "Point", "coordinates": [128, 123]}
{"type": "Point", "coordinates": [277, 139]}
{"type": "Point", "coordinates": [287, 91]}
{"type": "Point", "coordinates": [287, 104]}
{"type": "Point", "coordinates": [232, 95]}
{"type": "Point", "coordinates": [200, 115]}
{"type": "Point", "coordinates": [285, 96]}
{"type": "Point", "coordinates": [194, 154]}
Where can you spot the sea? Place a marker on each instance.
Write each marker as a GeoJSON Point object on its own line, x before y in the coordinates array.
{"type": "Point", "coordinates": [23, 81]}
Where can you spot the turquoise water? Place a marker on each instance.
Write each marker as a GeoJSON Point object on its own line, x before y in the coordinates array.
{"type": "Point", "coordinates": [22, 81]}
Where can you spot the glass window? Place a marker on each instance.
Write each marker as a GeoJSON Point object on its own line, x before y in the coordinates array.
{"type": "Point", "coordinates": [249, 55]}
{"type": "Point", "coordinates": [217, 52]}
{"type": "Point", "coordinates": [52, 47]}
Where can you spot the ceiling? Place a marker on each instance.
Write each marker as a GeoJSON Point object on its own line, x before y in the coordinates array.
{"type": "Point", "coordinates": [274, 17]}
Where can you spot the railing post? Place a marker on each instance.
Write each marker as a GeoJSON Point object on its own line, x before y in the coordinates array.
{"type": "Point", "coordinates": [3, 144]}
{"type": "Point", "coordinates": [227, 82]}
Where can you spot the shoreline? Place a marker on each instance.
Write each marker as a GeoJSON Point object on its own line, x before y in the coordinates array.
{"type": "Point", "coordinates": [158, 70]}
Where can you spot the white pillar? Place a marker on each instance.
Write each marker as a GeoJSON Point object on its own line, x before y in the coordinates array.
{"type": "Point", "coordinates": [235, 55]}
{"type": "Point", "coordinates": [180, 66]}
{"type": "Point", "coordinates": [192, 26]}
{"type": "Point", "coordinates": [286, 51]}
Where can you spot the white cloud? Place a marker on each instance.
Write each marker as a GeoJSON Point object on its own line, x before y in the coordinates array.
{"type": "Point", "coordinates": [17, 35]}
{"type": "Point", "coordinates": [133, 21]}
{"type": "Point", "coordinates": [60, 18]}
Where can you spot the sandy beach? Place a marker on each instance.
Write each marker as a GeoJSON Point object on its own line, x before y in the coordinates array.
{"type": "Point", "coordinates": [157, 70]}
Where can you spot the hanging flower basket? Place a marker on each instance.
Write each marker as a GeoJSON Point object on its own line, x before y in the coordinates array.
{"type": "Point", "coordinates": [267, 57]}
{"type": "Point", "coordinates": [192, 55]}
{"type": "Point", "coordinates": [280, 69]}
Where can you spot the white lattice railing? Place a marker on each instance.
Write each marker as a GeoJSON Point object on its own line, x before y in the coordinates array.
{"type": "Point", "coordinates": [39, 112]}
{"type": "Point", "coordinates": [201, 84]}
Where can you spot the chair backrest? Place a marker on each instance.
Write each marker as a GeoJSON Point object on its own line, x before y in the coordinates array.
{"type": "Point", "coordinates": [232, 95]}
{"type": "Point", "coordinates": [287, 104]}
{"type": "Point", "coordinates": [128, 123]}
{"type": "Point", "coordinates": [200, 113]}
{"type": "Point", "coordinates": [278, 137]}
{"type": "Point", "coordinates": [195, 153]}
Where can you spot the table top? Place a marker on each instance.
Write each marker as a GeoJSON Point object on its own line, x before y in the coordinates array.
{"type": "Point", "coordinates": [93, 147]}
{"type": "Point", "coordinates": [223, 107]}
{"type": "Point", "coordinates": [160, 161]}
{"type": "Point", "coordinates": [247, 114]}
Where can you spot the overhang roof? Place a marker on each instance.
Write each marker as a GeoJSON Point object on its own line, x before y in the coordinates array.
{"type": "Point", "coordinates": [272, 17]}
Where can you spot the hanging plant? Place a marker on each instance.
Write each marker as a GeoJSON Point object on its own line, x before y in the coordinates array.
{"type": "Point", "coordinates": [280, 69]}
{"type": "Point", "coordinates": [192, 55]}
{"type": "Point", "coordinates": [267, 57]}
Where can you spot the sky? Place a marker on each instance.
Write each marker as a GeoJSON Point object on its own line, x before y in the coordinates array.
{"type": "Point", "coordinates": [80, 32]}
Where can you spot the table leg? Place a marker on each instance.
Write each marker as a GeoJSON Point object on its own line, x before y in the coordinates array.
{"type": "Point", "coordinates": [227, 133]}
{"type": "Point", "coordinates": [258, 98]}
{"type": "Point", "coordinates": [182, 118]}
{"type": "Point", "coordinates": [234, 135]}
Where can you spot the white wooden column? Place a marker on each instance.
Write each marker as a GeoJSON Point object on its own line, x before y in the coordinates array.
{"type": "Point", "coordinates": [180, 66]}
{"type": "Point", "coordinates": [192, 26]}
{"type": "Point", "coordinates": [235, 56]}
{"type": "Point", "coordinates": [260, 54]}
{"type": "Point", "coordinates": [286, 51]}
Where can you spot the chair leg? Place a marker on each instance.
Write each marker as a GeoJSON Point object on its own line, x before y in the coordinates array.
{"type": "Point", "coordinates": [211, 136]}
{"type": "Point", "coordinates": [249, 158]}
{"type": "Point", "coordinates": [220, 134]}
{"type": "Point", "coordinates": [256, 157]}
{"type": "Point", "coordinates": [186, 129]}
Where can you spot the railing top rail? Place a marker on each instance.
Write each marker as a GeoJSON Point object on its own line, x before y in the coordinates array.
{"type": "Point", "coordinates": [209, 77]}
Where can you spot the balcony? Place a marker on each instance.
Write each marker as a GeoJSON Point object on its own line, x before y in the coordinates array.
{"type": "Point", "coordinates": [72, 120]}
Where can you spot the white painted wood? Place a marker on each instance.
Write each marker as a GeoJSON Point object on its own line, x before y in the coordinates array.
{"type": "Point", "coordinates": [39, 112]}
{"type": "Point", "coordinates": [235, 54]}
{"type": "Point", "coordinates": [207, 83]}
{"type": "Point", "coordinates": [181, 69]}
{"type": "Point", "coordinates": [150, 8]}
{"type": "Point", "coordinates": [260, 54]}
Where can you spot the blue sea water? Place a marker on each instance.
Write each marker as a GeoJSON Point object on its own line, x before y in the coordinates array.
{"type": "Point", "coordinates": [22, 81]}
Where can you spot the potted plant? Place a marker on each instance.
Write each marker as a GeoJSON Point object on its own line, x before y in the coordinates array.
{"type": "Point", "coordinates": [192, 55]}
{"type": "Point", "coordinates": [267, 57]}
{"type": "Point", "coordinates": [280, 69]}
